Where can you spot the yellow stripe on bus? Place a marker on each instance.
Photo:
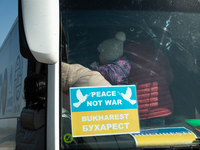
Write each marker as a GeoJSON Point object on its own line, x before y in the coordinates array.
{"type": "Point", "coordinates": [165, 139]}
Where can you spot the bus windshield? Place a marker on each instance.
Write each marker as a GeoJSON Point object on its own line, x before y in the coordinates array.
{"type": "Point", "coordinates": [150, 46]}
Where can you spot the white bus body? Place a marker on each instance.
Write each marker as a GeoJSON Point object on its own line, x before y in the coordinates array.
{"type": "Point", "coordinates": [13, 70]}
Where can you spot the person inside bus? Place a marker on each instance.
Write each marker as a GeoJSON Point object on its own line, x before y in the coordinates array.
{"type": "Point", "coordinates": [30, 132]}
{"type": "Point", "coordinates": [152, 74]}
{"type": "Point", "coordinates": [113, 65]}
{"type": "Point", "coordinates": [76, 75]}
{"type": "Point", "coordinates": [31, 125]}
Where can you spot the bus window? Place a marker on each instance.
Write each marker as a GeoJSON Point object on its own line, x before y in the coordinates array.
{"type": "Point", "coordinates": [162, 48]}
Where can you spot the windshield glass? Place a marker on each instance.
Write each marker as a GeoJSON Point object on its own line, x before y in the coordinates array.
{"type": "Point", "coordinates": [153, 46]}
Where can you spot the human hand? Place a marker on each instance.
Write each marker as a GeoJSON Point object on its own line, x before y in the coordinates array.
{"type": "Point", "coordinates": [94, 64]}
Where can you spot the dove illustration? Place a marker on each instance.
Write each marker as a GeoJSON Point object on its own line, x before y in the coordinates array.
{"type": "Point", "coordinates": [80, 97]}
{"type": "Point", "coordinates": [128, 95]}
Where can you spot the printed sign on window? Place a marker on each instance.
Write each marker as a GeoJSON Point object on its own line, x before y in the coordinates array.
{"type": "Point", "coordinates": [104, 110]}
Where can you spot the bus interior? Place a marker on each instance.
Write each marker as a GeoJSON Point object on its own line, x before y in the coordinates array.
{"type": "Point", "coordinates": [153, 36]}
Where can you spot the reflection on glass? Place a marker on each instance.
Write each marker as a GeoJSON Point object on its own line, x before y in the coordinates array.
{"type": "Point", "coordinates": [162, 49]}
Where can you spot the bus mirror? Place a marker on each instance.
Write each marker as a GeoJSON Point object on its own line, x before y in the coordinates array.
{"type": "Point", "coordinates": [39, 30]}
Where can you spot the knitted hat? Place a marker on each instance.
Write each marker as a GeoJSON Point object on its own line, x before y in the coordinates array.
{"type": "Point", "coordinates": [112, 49]}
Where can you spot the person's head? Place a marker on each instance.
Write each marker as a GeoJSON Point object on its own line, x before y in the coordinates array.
{"type": "Point", "coordinates": [35, 91]}
{"type": "Point", "coordinates": [112, 49]}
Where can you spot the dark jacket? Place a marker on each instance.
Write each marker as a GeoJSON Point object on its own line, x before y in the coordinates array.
{"type": "Point", "coordinates": [31, 130]}
{"type": "Point", "coordinates": [30, 133]}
